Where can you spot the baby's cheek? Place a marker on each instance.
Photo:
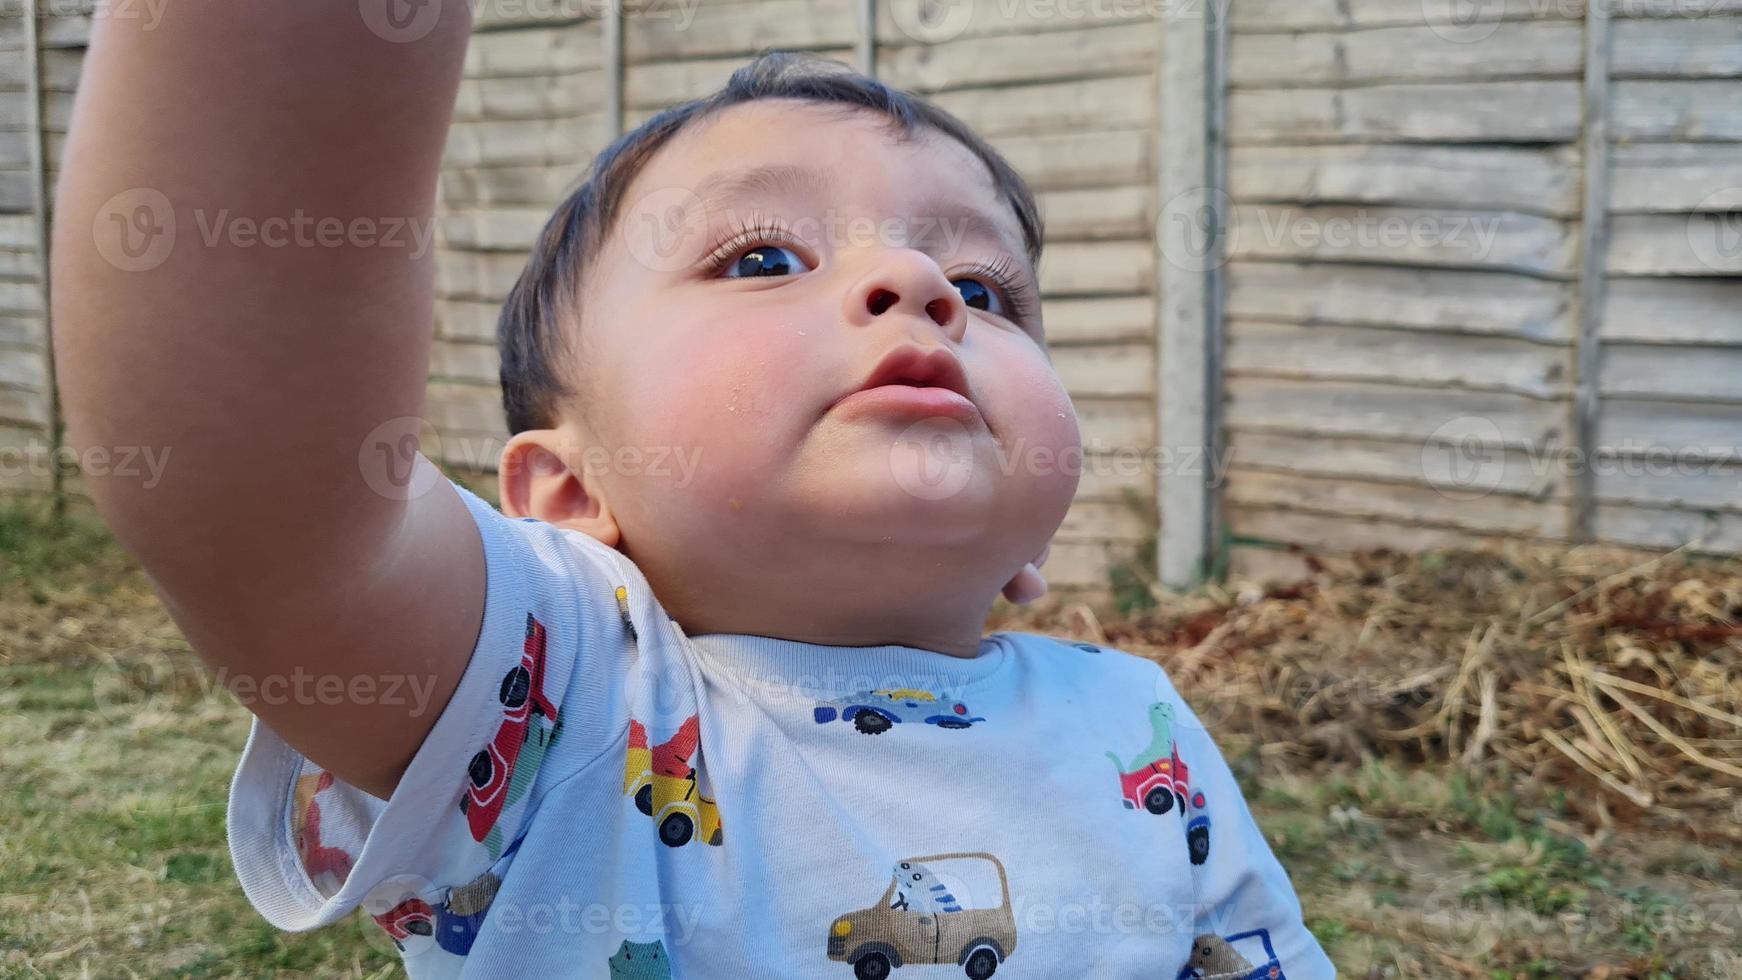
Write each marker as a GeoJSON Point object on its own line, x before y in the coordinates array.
{"type": "Point", "coordinates": [723, 396]}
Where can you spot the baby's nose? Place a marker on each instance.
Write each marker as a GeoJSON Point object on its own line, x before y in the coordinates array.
{"type": "Point", "coordinates": [908, 281]}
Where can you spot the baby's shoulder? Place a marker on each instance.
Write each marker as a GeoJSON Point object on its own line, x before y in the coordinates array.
{"type": "Point", "coordinates": [1087, 662]}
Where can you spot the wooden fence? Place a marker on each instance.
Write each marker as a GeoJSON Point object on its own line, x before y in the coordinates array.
{"type": "Point", "coordinates": [1320, 273]}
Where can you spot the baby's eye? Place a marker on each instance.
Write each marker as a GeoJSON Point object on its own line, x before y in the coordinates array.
{"type": "Point", "coordinates": [766, 260]}
{"type": "Point", "coordinates": [978, 297]}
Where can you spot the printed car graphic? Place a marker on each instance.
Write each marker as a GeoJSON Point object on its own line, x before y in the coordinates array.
{"type": "Point", "coordinates": [524, 701]}
{"type": "Point", "coordinates": [918, 921]}
{"type": "Point", "coordinates": [667, 788]}
{"type": "Point", "coordinates": [1157, 786]}
{"type": "Point", "coordinates": [875, 712]}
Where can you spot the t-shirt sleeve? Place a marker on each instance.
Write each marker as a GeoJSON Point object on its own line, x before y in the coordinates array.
{"type": "Point", "coordinates": [310, 848]}
{"type": "Point", "coordinates": [1247, 915]}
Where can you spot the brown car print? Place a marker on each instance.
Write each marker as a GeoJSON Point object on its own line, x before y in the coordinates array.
{"type": "Point", "coordinates": [919, 920]}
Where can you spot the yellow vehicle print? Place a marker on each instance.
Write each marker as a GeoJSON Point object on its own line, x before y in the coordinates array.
{"type": "Point", "coordinates": [665, 786]}
{"type": "Point", "coordinates": [919, 920]}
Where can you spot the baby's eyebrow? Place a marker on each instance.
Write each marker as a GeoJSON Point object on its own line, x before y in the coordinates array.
{"type": "Point", "coordinates": [774, 179]}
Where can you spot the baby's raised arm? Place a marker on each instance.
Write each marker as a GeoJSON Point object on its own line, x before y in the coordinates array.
{"type": "Point", "coordinates": [242, 281]}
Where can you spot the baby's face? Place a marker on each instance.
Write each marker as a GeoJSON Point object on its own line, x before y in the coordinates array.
{"type": "Point", "coordinates": [765, 264]}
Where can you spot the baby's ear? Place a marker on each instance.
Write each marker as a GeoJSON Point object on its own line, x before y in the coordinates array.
{"type": "Point", "coordinates": [540, 476]}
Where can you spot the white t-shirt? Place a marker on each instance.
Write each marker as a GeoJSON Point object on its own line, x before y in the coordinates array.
{"type": "Point", "coordinates": [606, 797]}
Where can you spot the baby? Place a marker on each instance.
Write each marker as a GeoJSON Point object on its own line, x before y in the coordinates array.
{"type": "Point", "coordinates": [683, 719]}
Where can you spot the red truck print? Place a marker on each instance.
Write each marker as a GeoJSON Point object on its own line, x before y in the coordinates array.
{"type": "Point", "coordinates": [523, 696]}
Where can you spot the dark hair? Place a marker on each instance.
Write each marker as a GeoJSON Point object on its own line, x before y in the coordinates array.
{"type": "Point", "coordinates": [534, 345]}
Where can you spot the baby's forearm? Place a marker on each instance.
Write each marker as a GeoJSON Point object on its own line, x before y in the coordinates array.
{"type": "Point", "coordinates": [242, 269]}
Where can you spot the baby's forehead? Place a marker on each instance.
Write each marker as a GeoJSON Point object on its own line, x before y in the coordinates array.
{"type": "Point", "coordinates": [839, 151]}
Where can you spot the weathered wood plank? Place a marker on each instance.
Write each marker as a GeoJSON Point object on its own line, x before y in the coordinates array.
{"type": "Point", "coordinates": [1675, 177]}
{"type": "Point", "coordinates": [1482, 512]}
{"type": "Point", "coordinates": [1696, 484]}
{"type": "Point", "coordinates": [1019, 58]}
{"type": "Point", "coordinates": [1685, 429]}
{"type": "Point", "coordinates": [1710, 533]}
{"type": "Point", "coordinates": [1390, 411]}
{"type": "Point", "coordinates": [1099, 213]}
{"type": "Point", "coordinates": [1051, 161]}
{"type": "Point", "coordinates": [1098, 268]}
{"type": "Point", "coordinates": [1455, 468]}
{"type": "Point", "coordinates": [1707, 244]}
{"type": "Point", "coordinates": [24, 369]}
{"type": "Point", "coordinates": [1703, 109]}
{"type": "Point", "coordinates": [1416, 53]}
{"type": "Point", "coordinates": [1476, 302]}
{"type": "Point", "coordinates": [1401, 356]}
{"type": "Point", "coordinates": [476, 275]}
{"type": "Point", "coordinates": [1095, 104]}
{"type": "Point", "coordinates": [1496, 112]}
{"type": "Point", "coordinates": [1337, 534]}
{"type": "Point", "coordinates": [1672, 373]}
{"type": "Point", "coordinates": [518, 143]}
{"type": "Point", "coordinates": [1691, 311]}
{"type": "Point", "coordinates": [716, 29]}
{"type": "Point", "coordinates": [1531, 181]}
{"type": "Point", "coordinates": [538, 185]}
{"type": "Point", "coordinates": [493, 229]}
{"type": "Point", "coordinates": [902, 23]}
{"type": "Point", "coordinates": [22, 331]}
{"type": "Point", "coordinates": [467, 320]}
{"type": "Point", "coordinates": [657, 84]}
{"type": "Point", "coordinates": [1098, 320]}
{"type": "Point", "coordinates": [1458, 22]}
{"type": "Point", "coordinates": [533, 53]}
{"type": "Point", "coordinates": [1112, 370]}
{"type": "Point", "coordinates": [1107, 520]}
{"type": "Point", "coordinates": [1442, 237]}
{"type": "Point", "coordinates": [1678, 47]}
{"type": "Point", "coordinates": [542, 97]}
{"type": "Point", "coordinates": [1111, 425]}
{"type": "Point", "coordinates": [465, 361]}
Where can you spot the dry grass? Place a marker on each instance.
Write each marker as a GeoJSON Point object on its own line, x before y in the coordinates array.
{"type": "Point", "coordinates": [1615, 680]}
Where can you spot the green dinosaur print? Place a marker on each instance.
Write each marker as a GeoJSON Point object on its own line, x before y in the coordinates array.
{"type": "Point", "coordinates": [1160, 744]}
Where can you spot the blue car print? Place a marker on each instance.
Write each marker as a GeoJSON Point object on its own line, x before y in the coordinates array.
{"type": "Point", "coordinates": [875, 712]}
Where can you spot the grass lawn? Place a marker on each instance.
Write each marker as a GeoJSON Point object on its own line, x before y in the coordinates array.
{"type": "Point", "coordinates": [119, 754]}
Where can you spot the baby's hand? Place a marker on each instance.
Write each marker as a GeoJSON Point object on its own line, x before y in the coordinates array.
{"type": "Point", "coordinates": [1028, 586]}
